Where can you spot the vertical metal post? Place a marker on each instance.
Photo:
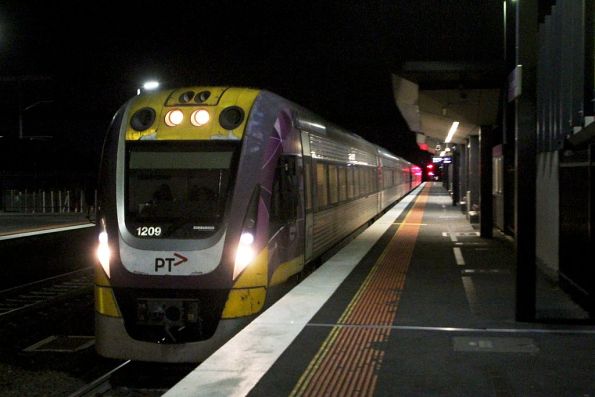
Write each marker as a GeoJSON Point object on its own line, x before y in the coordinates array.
{"type": "Point", "coordinates": [589, 82]}
{"type": "Point", "coordinates": [485, 201]}
{"type": "Point", "coordinates": [455, 177]}
{"type": "Point", "coordinates": [525, 159]}
{"type": "Point", "coordinates": [462, 150]}
{"type": "Point", "coordinates": [474, 171]}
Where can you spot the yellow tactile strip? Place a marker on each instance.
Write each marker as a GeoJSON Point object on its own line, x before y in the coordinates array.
{"type": "Point", "coordinates": [348, 361]}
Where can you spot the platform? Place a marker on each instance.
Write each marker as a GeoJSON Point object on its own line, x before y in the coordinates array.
{"type": "Point", "coordinates": [19, 225]}
{"type": "Point", "coordinates": [417, 305]}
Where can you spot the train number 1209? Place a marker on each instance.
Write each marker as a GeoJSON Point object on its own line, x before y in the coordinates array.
{"type": "Point", "coordinates": [148, 231]}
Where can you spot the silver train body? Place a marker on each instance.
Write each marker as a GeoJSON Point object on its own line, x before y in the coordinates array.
{"type": "Point", "coordinates": [257, 188]}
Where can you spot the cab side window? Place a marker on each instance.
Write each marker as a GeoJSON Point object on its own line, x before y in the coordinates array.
{"type": "Point", "coordinates": [285, 194]}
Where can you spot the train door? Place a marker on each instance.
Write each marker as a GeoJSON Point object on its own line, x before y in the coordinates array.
{"type": "Point", "coordinates": [286, 217]}
{"type": "Point", "coordinates": [307, 196]}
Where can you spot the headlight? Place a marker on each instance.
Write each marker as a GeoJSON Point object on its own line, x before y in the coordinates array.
{"type": "Point", "coordinates": [200, 117]}
{"type": "Point", "coordinates": [174, 117]}
{"type": "Point", "coordinates": [103, 252]}
{"type": "Point", "coordinates": [245, 253]}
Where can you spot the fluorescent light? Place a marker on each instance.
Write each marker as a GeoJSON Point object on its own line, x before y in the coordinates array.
{"type": "Point", "coordinates": [151, 85]}
{"type": "Point", "coordinates": [451, 132]}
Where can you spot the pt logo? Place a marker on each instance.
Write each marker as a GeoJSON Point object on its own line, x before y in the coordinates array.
{"type": "Point", "coordinates": [160, 263]}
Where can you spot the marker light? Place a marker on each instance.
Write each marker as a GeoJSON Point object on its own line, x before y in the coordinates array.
{"type": "Point", "coordinates": [174, 117]}
{"type": "Point", "coordinates": [103, 252]}
{"type": "Point", "coordinates": [200, 117]}
{"type": "Point", "coordinates": [245, 253]}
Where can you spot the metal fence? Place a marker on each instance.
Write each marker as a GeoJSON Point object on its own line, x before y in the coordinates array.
{"type": "Point", "coordinates": [47, 201]}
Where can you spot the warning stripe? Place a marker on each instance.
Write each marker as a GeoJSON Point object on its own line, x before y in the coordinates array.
{"type": "Point", "coordinates": [349, 359]}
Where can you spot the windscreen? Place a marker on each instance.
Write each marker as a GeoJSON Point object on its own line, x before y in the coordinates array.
{"type": "Point", "coordinates": [177, 189]}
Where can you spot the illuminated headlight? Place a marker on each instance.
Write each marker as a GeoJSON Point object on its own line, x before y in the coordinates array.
{"type": "Point", "coordinates": [200, 117]}
{"type": "Point", "coordinates": [103, 252]}
{"type": "Point", "coordinates": [245, 253]}
{"type": "Point", "coordinates": [174, 117]}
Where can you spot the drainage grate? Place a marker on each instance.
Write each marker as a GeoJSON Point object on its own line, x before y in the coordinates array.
{"type": "Point", "coordinates": [494, 345]}
{"type": "Point", "coordinates": [63, 344]}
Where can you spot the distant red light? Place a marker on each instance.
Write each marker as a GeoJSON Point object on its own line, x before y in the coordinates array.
{"type": "Point", "coordinates": [430, 166]}
{"type": "Point", "coordinates": [423, 146]}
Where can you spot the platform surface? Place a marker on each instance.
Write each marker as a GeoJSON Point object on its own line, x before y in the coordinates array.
{"type": "Point", "coordinates": [427, 311]}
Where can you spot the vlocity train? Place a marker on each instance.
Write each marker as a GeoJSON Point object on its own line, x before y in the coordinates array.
{"type": "Point", "coordinates": [210, 197]}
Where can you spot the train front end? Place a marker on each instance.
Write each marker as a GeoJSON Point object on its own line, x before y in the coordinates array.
{"type": "Point", "coordinates": [175, 231]}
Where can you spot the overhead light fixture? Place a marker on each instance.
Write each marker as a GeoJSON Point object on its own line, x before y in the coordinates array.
{"type": "Point", "coordinates": [148, 86]}
{"type": "Point", "coordinates": [451, 132]}
{"type": "Point", "coordinates": [151, 85]}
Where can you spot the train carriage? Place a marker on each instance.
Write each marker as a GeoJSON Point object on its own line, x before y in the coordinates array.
{"type": "Point", "coordinates": [210, 197]}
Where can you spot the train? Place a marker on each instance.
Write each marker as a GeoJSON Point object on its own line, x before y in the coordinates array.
{"type": "Point", "coordinates": [210, 198]}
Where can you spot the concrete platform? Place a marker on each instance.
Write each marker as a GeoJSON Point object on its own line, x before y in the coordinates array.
{"type": "Point", "coordinates": [16, 225]}
{"type": "Point", "coordinates": [417, 305]}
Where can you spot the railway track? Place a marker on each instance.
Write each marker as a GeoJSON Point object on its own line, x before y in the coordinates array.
{"type": "Point", "coordinates": [40, 293]}
{"type": "Point", "coordinates": [133, 379]}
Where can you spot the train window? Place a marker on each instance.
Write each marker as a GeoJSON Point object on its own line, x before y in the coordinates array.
{"type": "Point", "coordinates": [350, 186]}
{"type": "Point", "coordinates": [332, 183]}
{"type": "Point", "coordinates": [388, 177]}
{"type": "Point", "coordinates": [363, 186]}
{"type": "Point", "coordinates": [342, 183]}
{"type": "Point", "coordinates": [308, 183]}
{"type": "Point", "coordinates": [356, 183]}
{"type": "Point", "coordinates": [179, 187]}
{"type": "Point", "coordinates": [321, 185]}
{"type": "Point", "coordinates": [285, 194]}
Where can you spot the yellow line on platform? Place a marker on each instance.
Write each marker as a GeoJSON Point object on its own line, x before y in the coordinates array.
{"type": "Point", "coordinates": [322, 375]}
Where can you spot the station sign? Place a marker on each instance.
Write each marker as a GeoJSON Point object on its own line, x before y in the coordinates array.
{"type": "Point", "coordinates": [442, 160]}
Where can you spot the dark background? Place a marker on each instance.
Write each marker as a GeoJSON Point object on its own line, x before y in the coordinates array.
{"type": "Point", "coordinates": [335, 58]}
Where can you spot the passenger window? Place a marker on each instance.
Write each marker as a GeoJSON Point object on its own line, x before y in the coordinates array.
{"type": "Point", "coordinates": [307, 183]}
{"type": "Point", "coordinates": [350, 186]}
{"type": "Point", "coordinates": [356, 182]}
{"type": "Point", "coordinates": [342, 183]}
{"type": "Point", "coordinates": [321, 185]}
{"type": "Point", "coordinates": [363, 181]}
{"type": "Point", "coordinates": [332, 179]}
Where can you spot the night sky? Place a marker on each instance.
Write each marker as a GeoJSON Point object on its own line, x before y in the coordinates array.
{"type": "Point", "coordinates": [334, 58]}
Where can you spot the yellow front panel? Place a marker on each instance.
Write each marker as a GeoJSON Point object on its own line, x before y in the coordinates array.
{"type": "Point", "coordinates": [256, 273]}
{"type": "Point", "coordinates": [163, 102]}
{"type": "Point", "coordinates": [105, 302]}
{"type": "Point", "coordinates": [244, 302]}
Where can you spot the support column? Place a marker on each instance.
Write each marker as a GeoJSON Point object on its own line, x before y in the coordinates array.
{"type": "Point", "coordinates": [474, 173]}
{"type": "Point", "coordinates": [455, 165]}
{"type": "Point", "coordinates": [485, 211]}
{"type": "Point", "coordinates": [462, 150]}
{"type": "Point", "coordinates": [525, 159]}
